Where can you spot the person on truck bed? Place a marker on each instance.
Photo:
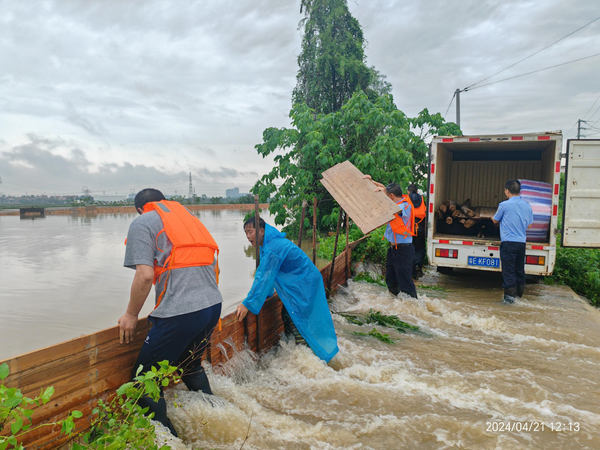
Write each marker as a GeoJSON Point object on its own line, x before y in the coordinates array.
{"type": "Point", "coordinates": [514, 216]}
{"type": "Point", "coordinates": [399, 232]}
{"type": "Point", "coordinates": [420, 213]}
{"type": "Point", "coordinates": [188, 300]}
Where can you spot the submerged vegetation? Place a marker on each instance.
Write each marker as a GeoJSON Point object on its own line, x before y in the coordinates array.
{"type": "Point", "coordinates": [377, 335]}
{"type": "Point", "coordinates": [377, 318]}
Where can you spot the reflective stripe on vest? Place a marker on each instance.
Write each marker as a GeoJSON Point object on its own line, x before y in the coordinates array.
{"type": "Point", "coordinates": [398, 225]}
{"type": "Point", "coordinates": [193, 245]}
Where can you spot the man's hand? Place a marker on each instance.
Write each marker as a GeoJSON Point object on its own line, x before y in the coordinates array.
{"type": "Point", "coordinates": [127, 324]}
{"type": "Point", "coordinates": [241, 312]}
{"type": "Point", "coordinates": [367, 177]}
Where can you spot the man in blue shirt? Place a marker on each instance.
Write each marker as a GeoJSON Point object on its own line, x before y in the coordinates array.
{"type": "Point", "coordinates": [514, 216]}
{"type": "Point", "coordinates": [399, 233]}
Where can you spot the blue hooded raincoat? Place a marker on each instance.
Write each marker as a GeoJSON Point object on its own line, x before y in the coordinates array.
{"type": "Point", "coordinates": [285, 267]}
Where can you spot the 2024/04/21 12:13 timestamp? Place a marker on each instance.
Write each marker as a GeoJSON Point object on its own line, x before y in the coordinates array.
{"type": "Point", "coordinates": [532, 426]}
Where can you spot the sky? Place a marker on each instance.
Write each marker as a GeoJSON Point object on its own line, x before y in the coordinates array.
{"type": "Point", "coordinates": [119, 95]}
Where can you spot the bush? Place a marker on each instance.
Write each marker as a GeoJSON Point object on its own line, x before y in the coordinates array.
{"type": "Point", "coordinates": [374, 248]}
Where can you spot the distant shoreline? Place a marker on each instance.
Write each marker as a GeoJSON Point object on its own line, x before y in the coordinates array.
{"type": "Point", "coordinates": [97, 209]}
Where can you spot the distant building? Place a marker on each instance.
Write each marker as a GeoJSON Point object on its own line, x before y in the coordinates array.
{"type": "Point", "coordinates": [232, 193]}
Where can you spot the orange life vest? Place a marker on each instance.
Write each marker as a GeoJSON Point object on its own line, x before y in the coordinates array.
{"type": "Point", "coordinates": [419, 213]}
{"type": "Point", "coordinates": [193, 245]}
{"type": "Point", "coordinates": [398, 226]}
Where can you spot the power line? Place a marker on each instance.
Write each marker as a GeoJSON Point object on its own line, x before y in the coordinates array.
{"type": "Point", "coordinates": [534, 71]}
{"type": "Point", "coordinates": [592, 107]}
{"type": "Point", "coordinates": [451, 100]}
{"type": "Point", "coordinates": [533, 54]}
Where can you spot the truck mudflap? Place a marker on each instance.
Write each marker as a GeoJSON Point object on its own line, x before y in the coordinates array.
{"type": "Point", "coordinates": [539, 259]}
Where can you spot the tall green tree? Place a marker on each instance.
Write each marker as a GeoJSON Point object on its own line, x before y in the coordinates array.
{"type": "Point", "coordinates": [375, 136]}
{"type": "Point", "coordinates": [332, 64]}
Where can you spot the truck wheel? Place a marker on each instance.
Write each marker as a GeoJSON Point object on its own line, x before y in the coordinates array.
{"type": "Point", "coordinates": [445, 270]}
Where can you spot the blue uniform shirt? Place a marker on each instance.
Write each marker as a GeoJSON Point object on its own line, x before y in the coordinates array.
{"type": "Point", "coordinates": [405, 209]}
{"type": "Point", "coordinates": [515, 216]}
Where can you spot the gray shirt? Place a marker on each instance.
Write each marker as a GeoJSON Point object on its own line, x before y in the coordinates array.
{"type": "Point", "coordinates": [189, 289]}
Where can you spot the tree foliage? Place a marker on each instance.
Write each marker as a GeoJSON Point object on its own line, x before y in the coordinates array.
{"type": "Point", "coordinates": [332, 62]}
{"type": "Point", "coordinates": [375, 136]}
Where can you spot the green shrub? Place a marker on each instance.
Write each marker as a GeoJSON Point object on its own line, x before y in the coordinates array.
{"type": "Point", "coordinates": [373, 249]}
{"type": "Point", "coordinates": [117, 425]}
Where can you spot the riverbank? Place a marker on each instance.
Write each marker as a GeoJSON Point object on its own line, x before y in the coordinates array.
{"type": "Point", "coordinates": [94, 209]}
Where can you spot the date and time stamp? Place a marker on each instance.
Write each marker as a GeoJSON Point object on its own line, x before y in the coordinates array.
{"type": "Point", "coordinates": [532, 427]}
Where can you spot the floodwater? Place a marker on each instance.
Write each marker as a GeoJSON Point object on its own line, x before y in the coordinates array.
{"type": "Point", "coordinates": [479, 375]}
{"type": "Point", "coordinates": [63, 276]}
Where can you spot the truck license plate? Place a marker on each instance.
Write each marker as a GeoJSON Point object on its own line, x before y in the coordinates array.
{"type": "Point", "coordinates": [484, 262]}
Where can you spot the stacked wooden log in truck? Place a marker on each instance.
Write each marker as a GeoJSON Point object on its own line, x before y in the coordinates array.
{"type": "Point", "coordinates": [475, 168]}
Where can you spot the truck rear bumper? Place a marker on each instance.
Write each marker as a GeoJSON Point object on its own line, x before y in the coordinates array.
{"type": "Point", "coordinates": [486, 256]}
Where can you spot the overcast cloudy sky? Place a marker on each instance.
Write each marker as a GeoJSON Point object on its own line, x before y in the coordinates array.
{"type": "Point", "coordinates": [118, 95]}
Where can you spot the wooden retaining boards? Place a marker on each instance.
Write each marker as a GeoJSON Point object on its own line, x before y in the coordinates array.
{"type": "Point", "coordinates": [88, 368]}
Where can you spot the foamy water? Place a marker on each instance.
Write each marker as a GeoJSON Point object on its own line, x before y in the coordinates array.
{"type": "Point", "coordinates": [475, 365]}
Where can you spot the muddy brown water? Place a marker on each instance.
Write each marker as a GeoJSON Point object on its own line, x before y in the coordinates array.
{"type": "Point", "coordinates": [479, 375]}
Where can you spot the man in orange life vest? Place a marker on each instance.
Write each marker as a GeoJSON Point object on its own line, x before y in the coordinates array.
{"type": "Point", "coordinates": [399, 232]}
{"type": "Point", "coordinates": [170, 247]}
{"type": "Point", "coordinates": [420, 213]}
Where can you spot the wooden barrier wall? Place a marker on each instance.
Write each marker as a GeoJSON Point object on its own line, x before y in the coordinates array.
{"type": "Point", "coordinates": [92, 367]}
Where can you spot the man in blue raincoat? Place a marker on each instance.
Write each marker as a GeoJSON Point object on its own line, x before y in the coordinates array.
{"type": "Point", "coordinates": [299, 284]}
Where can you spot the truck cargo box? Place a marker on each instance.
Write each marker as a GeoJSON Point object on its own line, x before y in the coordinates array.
{"type": "Point", "coordinates": [476, 168]}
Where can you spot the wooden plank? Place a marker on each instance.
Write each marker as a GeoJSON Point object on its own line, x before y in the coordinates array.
{"type": "Point", "coordinates": [357, 196]}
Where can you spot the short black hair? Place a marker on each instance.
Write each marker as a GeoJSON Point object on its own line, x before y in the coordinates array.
{"type": "Point", "coordinates": [415, 198]}
{"type": "Point", "coordinates": [513, 186]}
{"type": "Point", "coordinates": [252, 221]}
{"type": "Point", "coordinates": [147, 195]}
{"type": "Point", "coordinates": [394, 188]}
{"type": "Point", "coordinates": [412, 188]}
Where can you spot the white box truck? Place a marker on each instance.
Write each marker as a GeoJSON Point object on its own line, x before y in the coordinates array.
{"type": "Point", "coordinates": [476, 168]}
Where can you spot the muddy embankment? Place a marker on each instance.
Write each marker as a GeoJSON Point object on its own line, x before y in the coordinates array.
{"type": "Point", "coordinates": [96, 209]}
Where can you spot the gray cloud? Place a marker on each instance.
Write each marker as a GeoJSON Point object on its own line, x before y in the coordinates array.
{"type": "Point", "coordinates": [156, 89]}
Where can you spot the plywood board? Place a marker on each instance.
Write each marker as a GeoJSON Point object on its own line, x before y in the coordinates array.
{"type": "Point", "coordinates": [368, 209]}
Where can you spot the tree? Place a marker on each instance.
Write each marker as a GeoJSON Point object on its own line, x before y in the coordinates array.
{"type": "Point", "coordinates": [332, 62]}
{"type": "Point", "coordinates": [375, 136]}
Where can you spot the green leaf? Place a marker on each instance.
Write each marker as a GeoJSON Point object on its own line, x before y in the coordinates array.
{"type": "Point", "coordinates": [77, 414]}
{"type": "Point", "coordinates": [16, 425]}
{"type": "Point", "coordinates": [4, 371]}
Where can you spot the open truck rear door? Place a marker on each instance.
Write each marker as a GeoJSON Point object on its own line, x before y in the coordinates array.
{"type": "Point", "coordinates": [581, 207]}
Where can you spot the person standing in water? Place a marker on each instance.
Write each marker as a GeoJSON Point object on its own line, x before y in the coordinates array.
{"type": "Point", "coordinates": [514, 216]}
{"type": "Point", "coordinates": [299, 284]}
{"type": "Point", "coordinates": [399, 233]}
{"type": "Point", "coordinates": [168, 246]}
{"type": "Point", "coordinates": [419, 244]}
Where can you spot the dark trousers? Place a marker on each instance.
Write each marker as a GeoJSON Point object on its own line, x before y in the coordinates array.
{"type": "Point", "coordinates": [398, 269]}
{"type": "Point", "coordinates": [181, 340]}
{"type": "Point", "coordinates": [512, 256]}
{"type": "Point", "coordinates": [419, 245]}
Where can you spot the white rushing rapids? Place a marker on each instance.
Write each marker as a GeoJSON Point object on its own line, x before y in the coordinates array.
{"type": "Point", "coordinates": [478, 374]}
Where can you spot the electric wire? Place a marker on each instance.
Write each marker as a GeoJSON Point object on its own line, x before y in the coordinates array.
{"type": "Point", "coordinates": [534, 71]}
{"type": "Point", "coordinates": [451, 100]}
{"type": "Point", "coordinates": [591, 107]}
{"type": "Point", "coordinates": [533, 54]}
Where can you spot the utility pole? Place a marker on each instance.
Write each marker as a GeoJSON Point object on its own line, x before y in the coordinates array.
{"type": "Point", "coordinates": [191, 191]}
{"type": "Point", "coordinates": [457, 93]}
{"type": "Point", "coordinates": [579, 129]}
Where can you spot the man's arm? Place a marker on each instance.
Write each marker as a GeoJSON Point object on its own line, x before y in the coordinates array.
{"type": "Point", "coordinates": [380, 187]}
{"type": "Point", "coordinates": [140, 288]}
